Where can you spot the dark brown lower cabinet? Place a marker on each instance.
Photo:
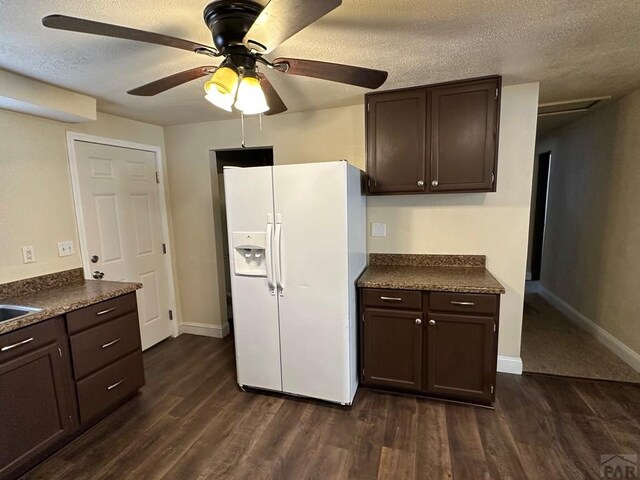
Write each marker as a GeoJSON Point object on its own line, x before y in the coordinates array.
{"type": "Point", "coordinates": [58, 378]}
{"type": "Point", "coordinates": [446, 347]}
{"type": "Point", "coordinates": [393, 349]}
{"type": "Point", "coordinates": [460, 356]}
{"type": "Point", "coordinates": [35, 407]}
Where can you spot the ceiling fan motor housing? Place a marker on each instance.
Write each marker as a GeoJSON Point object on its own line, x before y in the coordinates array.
{"type": "Point", "coordinates": [229, 21]}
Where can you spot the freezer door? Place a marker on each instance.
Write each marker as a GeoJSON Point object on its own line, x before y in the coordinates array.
{"type": "Point", "coordinates": [310, 202]}
{"type": "Point", "coordinates": [249, 207]}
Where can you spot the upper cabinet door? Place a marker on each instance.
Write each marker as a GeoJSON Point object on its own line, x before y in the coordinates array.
{"type": "Point", "coordinates": [463, 127]}
{"type": "Point", "coordinates": [396, 141]}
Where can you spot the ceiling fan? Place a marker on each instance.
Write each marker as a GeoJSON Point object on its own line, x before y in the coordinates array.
{"type": "Point", "coordinates": [243, 32]}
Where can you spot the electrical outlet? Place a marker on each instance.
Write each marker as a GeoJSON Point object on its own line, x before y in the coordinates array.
{"type": "Point", "coordinates": [378, 229]}
{"type": "Point", "coordinates": [65, 248]}
{"type": "Point", "coordinates": [28, 254]}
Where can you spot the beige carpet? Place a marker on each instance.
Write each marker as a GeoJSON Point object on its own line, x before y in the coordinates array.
{"type": "Point", "coordinates": [552, 344]}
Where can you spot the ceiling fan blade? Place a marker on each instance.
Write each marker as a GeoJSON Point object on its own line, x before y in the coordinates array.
{"type": "Point", "coordinates": [281, 19]}
{"type": "Point", "coordinates": [73, 24]}
{"type": "Point", "coordinates": [335, 72]}
{"type": "Point", "coordinates": [276, 105]}
{"type": "Point", "coordinates": [171, 81]}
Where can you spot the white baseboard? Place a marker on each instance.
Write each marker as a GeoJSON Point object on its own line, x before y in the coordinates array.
{"type": "Point", "coordinates": [510, 365]}
{"type": "Point", "coordinates": [205, 329]}
{"type": "Point", "coordinates": [626, 354]}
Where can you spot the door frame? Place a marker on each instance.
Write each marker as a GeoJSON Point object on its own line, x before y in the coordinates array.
{"type": "Point", "coordinates": [72, 137]}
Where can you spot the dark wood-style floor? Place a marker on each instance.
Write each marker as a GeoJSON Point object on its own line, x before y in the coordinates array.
{"type": "Point", "coordinates": [191, 421]}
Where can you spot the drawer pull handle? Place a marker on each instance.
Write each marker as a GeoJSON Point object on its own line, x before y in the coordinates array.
{"type": "Point", "coordinates": [117, 384]}
{"type": "Point", "coordinates": [104, 312]}
{"type": "Point", "coordinates": [23, 342]}
{"type": "Point", "coordinates": [432, 322]}
{"type": "Point", "coordinates": [112, 342]}
{"type": "Point", "coordinates": [391, 299]}
{"type": "Point", "coordinates": [466, 304]}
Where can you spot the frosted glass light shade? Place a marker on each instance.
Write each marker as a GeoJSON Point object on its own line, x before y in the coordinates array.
{"type": "Point", "coordinates": [224, 79]}
{"type": "Point", "coordinates": [251, 99]}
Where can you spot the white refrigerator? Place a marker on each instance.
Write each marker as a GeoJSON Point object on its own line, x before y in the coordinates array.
{"type": "Point", "coordinates": [297, 244]}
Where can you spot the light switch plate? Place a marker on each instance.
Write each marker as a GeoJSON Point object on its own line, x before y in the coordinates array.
{"type": "Point", "coordinates": [28, 254]}
{"type": "Point", "coordinates": [65, 248]}
{"type": "Point", "coordinates": [378, 229]}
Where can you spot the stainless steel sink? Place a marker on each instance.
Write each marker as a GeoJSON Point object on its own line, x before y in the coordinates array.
{"type": "Point", "coordinates": [10, 312]}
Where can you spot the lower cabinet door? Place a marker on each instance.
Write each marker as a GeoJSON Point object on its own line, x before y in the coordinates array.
{"type": "Point", "coordinates": [460, 355]}
{"type": "Point", "coordinates": [34, 412]}
{"type": "Point", "coordinates": [392, 349]}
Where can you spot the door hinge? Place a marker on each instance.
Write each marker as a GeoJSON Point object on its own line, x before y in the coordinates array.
{"type": "Point", "coordinates": [491, 389]}
{"type": "Point", "coordinates": [157, 177]}
{"type": "Point", "coordinates": [496, 93]}
{"type": "Point", "coordinates": [164, 248]}
{"type": "Point", "coordinates": [170, 314]}
{"type": "Point", "coordinates": [494, 327]}
{"type": "Point", "coordinates": [493, 178]}
{"type": "Point", "coordinates": [59, 351]}
{"type": "Point", "coordinates": [363, 372]}
{"type": "Point", "coordinates": [368, 107]}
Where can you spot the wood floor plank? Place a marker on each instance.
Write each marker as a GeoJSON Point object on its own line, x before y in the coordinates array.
{"type": "Point", "coordinates": [192, 421]}
{"type": "Point", "coordinates": [433, 457]}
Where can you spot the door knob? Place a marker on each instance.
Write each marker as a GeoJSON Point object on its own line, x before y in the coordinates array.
{"type": "Point", "coordinates": [434, 183]}
{"type": "Point", "coordinates": [420, 183]}
{"type": "Point", "coordinates": [95, 258]}
{"type": "Point", "coordinates": [98, 275]}
{"type": "Point", "coordinates": [432, 322]}
{"type": "Point", "coordinates": [418, 321]}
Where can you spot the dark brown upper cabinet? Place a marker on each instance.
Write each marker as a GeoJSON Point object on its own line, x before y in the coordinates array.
{"type": "Point", "coordinates": [434, 139]}
{"type": "Point", "coordinates": [396, 141]}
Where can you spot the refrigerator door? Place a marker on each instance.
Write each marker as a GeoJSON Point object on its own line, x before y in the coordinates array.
{"type": "Point", "coordinates": [312, 271]}
{"type": "Point", "coordinates": [249, 202]}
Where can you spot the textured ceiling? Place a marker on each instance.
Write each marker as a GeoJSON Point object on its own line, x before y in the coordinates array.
{"type": "Point", "coordinates": [575, 48]}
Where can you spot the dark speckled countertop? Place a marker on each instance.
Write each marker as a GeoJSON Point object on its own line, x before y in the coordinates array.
{"type": "Point", "coordinates": [441, 273]}
{"type": "Point", "coordinates": [59, 299]}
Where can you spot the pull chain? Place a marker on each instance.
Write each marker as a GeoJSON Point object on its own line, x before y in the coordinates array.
{"type": "Point", "coordinates": [242, 123]}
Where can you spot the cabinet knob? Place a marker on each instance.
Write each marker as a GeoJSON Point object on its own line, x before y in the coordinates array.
{"type": "Point", "coordinates": [434, 183]}
{"type": "Point", "coordinates": [420, 183]}
{"type": "Point", "coordinates": [418, 321]}
{"type": "Point", "coordinates": [432, 322]}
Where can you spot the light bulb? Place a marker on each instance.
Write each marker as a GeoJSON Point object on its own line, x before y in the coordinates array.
{"type": "Point", "coordinates": [251, 99]}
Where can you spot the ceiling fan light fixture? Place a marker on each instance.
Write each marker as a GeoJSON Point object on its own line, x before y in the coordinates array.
{"type": "Point", "coordinates": [251, 99]}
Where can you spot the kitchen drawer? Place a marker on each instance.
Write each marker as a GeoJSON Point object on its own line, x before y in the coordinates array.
{"type": "Point", "coordinates": [100, 312]}
{"type": "Point", "coordinates": [27, 339]}
{"type": "Point", "coordinates": [99, 346]}
{"type": "Point", "coordinates": [405, 299]}
{"type": "Point", "coordinates": [108, 386]}
{"type": "Point", "coordinates": [463, 302]}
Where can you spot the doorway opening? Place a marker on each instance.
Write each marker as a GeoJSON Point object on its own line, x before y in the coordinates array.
{"type": "Point", "coordinates": [539, 213]}
{"type": "Point", "coordinates": [241, 157]}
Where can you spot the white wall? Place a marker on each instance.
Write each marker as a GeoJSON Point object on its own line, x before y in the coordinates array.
{"type": "Point", "coordinates": [495, 224]}
{"type": "Point", "coordinates": [591, 257]}
{"type": "Point", "coordinates": [36, 203]}
{"type": "Point", "coordinates": [491, 224]}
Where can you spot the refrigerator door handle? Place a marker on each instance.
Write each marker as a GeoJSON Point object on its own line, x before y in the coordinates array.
{"type": "Point", "coordinates": [278, 262]}
{"type": "Point", "coordinates": [269, 256]}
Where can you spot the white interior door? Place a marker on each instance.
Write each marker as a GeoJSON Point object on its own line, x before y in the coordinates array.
{"type": "Point", "coordinates": [123, 227]}
{"type": "Point", "coordinates": [311, 200]}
